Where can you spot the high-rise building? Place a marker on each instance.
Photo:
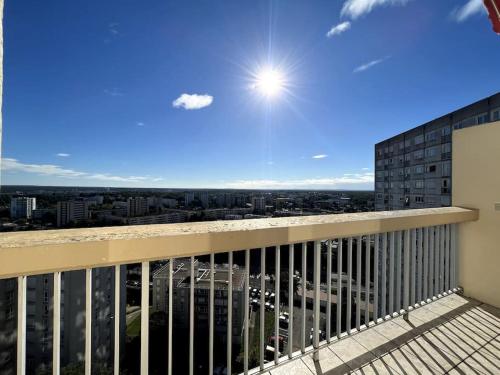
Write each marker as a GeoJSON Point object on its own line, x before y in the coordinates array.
{"type": "Point", "coordinates": [203, 197]}
{"type": "Point", "coordinates": [22, 207]}
{"type": "Point", "coordinates": [413, 169]}
{"type": "Point", "coordinates": [188, 198]}
{"type": "Point", "coordinates": [72, 212]}
{"type": "Point", "coordinates": [259, 204]}
{"type": "Point", "coordinates": [137, 206]}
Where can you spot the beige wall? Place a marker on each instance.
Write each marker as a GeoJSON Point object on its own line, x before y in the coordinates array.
{"type": "Point", "coordinates": [476, 184]}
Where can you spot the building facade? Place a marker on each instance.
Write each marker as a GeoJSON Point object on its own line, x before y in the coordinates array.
{"type": "Point", "coordinates": [137, 206]}
{"type": "Point", "coordinates": [72, 212]}
{"type": "Point", "coordinates": [413, 169]}
{"type": "Point", "coordinates": [22, 207]}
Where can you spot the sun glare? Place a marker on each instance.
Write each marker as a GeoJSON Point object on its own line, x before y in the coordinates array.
{"type": "Point", "coordinates": [269, 82]}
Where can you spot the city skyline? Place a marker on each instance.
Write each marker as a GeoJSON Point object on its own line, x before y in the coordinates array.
{"type": "Point", "coordinates": [188, 108]}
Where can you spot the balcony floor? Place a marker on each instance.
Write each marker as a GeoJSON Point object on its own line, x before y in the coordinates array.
{"type": "Point", "coordinates": [452, 335]}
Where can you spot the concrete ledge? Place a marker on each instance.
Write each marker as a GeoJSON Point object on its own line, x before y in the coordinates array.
{"type": "Point", "coordinates": [36, 252]}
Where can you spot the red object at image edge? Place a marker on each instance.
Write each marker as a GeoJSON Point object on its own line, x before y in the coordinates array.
{"type": "Point", "coordinates": [493, 7]}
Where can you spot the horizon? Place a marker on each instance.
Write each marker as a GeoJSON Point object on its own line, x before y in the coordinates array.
{"type": "Point", "coordinates": [261, 96]}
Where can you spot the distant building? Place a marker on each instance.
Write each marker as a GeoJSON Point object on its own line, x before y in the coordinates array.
{"type": "Point", "coordinates": [203, 197]}
{"type": "Point", "coordinates": [188, 198]}
{"type": "Point", "coordinates": [72, 212]}
{"type": "Point", "coordinates": [137, 206]}
{"type": "Point", "coordinates": [96, 200]}
{"type": "Point", "coordinates": [181, 282]}
{"type": "Point", "coordinates": [171, 217]}
{"type": "Point", "coordinates": [413, 169]}
{"type": "Point", "coordinates": [259, 204]}
{"type": "Point", "coordinates": [22, 207]}
{"type": "Point", "coordinates": [169, 202]}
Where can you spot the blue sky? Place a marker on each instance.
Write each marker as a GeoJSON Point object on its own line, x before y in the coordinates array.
{"type": "Point", "coordinates": [93, 90]}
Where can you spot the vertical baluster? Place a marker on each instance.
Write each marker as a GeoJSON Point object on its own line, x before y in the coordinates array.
{"type": "Point", "coordinates": [413, 266]}
{"type": "Point", "coordinates": [376, 250]}
{"type": "Point", "coordinates": [229, 348]}
{"type": "Point", "coordinates": [170, 313]}
{"type": "Point", "coordinates": [437, 256]}
{"type": "Point", "coordinates": [339, 287]}
{"type": "Point", "coordinates": [246, 307]}
{"type": "Point", "coordinates": [191, 318]}
{"type": "Point", "coordinates": [290, 299]}
{"type": "Point", "coordinates": [56, 326]}
{"type": "Point", "coordinates": [145, 318]}
{"type": "Point", "coordinates": [447, 259]}
{"type": "Point", "coordinates": [88, 321]}
{"type": "Point", "coordinates": [454, 257]}
{"type": "Point", "coordinates": [431, 263]}
{"type": "Point", "coordinates": [329, 289]}
{"type": "Point", "coordinates": [391, 273]}
{"type": "Point", "coordinates": [441, 259]}
{"type": "Point", "coordinates": [425, 241]}
{"type": "Point", "coordinates": [303, 303]}
{"type": "Point", "coordinates": [399, 253]}
{"type": "Point", "coordinates": [358, 282]}
{"type": "Point", "coordinates": [262, 304]}
{"type": "Point", "coordinates": [21, 325]}
{"type": "Point", "coordinates": [419, 265]}
{"type": "Point", "coordinates": [316, 313]}
{"type": "Point", "coordinates": [384, 276]}
{"type": "Point", "coordinates": [406, 270]}
{"type": "Point", "coordinates": [211, 317]}
{"type": "Point", "coordinates": [349, 285]}
{"type": "Point", "coordinates": [367, 279]}
{"type": "Point", "coordinates": [277, 306]}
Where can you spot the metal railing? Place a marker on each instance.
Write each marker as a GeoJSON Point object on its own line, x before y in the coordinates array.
{"type": "Point", "coordinates": [385, 264]}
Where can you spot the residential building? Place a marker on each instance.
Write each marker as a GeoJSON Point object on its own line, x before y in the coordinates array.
{"type": "Point", "coordinates": [259, 204]}
{"type": "Point", "coordinates": [188, 198]}
{"type": "Point", "coordinates": [72, 212]}
{"type": "Point", "coordinates": [137, 206]}
{"type": "Point", "coordinates": [203, 197]}
{"type": "Point", "coordinates": [22, 207]}
{"type": "Point", "coordinates": [413, 169]}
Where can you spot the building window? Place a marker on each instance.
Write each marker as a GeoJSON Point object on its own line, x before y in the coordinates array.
{"type": "Point", "coordinates": [419, 199]}
{"type": "Point", "coordinates": [495, 115]}
{"type": "Point", "coordinates": [430, 136]}
{"type": "Point", "coordinates": [419, 184]}
{"type": "Point", "coordinates": [419, 169]}
{"type": "Point", "coordinates": [418, 154]}
{"type": "Point", "coordinates": [483, 118]}
{"type": "Point", "coordinates": [430, 152]}
{"type": "Point", "coordinates": [446, 130]}
{"type": "Point", "coordinates": [447, 169]}
{"type": "Point", "coordinates": [446, 148]}
{"type": "Point", "coordinates": [419, 139]}
{"type": "Point", "coordinates": [431, 168]}
{"type": "Point", "coordinates": [407, 157]}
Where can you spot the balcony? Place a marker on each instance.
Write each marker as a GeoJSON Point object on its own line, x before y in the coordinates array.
{"type": "Point", "coordinates": [393, 283]}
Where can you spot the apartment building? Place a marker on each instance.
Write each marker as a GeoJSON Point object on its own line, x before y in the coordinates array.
{"type": "Point", "coordinates": [22, 207]}
{"type": "Point", "coordinates": [137, 206]}
{"type": "Point", "coordinates": [413, 169]}
{"type": "Point", "coordinates": [72, 212]}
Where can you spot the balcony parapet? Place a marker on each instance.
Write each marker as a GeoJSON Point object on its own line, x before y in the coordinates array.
{"type": "Point", "coordinates": [38, 252]}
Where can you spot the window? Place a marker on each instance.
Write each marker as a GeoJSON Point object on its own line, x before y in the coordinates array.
{"type": "Point", "coordinates": [419, 184]}
{"type": "Point", "coordinates": [495, 115]}
{"type": "Point", "coordinates": [418, 154]}
{"type": "Point", "coordinates": [407, 143]}
{"type": "Point", "coordinates": [431, 168]}
{"type": "Point", "coordinates": [391, 148]}
{"type": "Point", "coordinates": [431, 136]}
{"type": "Point", "coordinates": [419, 169]}
{"type": "Point", "coordinates": [380, 163]}
{"type": "Point", "coordinates": [419, 139]}
{"type": "Point", "coordinates": [447, 169]}
{"type": "Point", "coordinates": [419, 199]}
{"type": "Point", "coordinates": [401, 145]}
{"type": "Point", "coordinates": [482, 118]}
{"type": "Point", "coordinates": [446, 130]}
{"type": "Point", "coordinates": [401, 171]}
{"type": "Point", "coordinates": [407, 172]}
{"type": "Point", "coordinates": [430, 152]}
{"type": "Point", "coordinates": [446, 148]}
{"type": "Point", "coordinates": [407, 157]}
{"type": "Point", "coordinates": [430, 184]}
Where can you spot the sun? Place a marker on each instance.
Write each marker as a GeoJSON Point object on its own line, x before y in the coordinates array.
{"type": "Point", "coordinates": [269, 82]}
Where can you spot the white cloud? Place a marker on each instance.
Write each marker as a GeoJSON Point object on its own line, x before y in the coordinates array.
{"type": "Point", "coordinates": [369, 65]}
{"type": "Point", "coordinates": [365, 169]}
{"type": "Point", "coordinates": [14, 165]}
{"type": "Point", "coordinates": [469, 9]}
{"type": "Point", "coordinates": [140, 124]}
{"type": "Point", "coordinates": [339, 29]}
{"type": "Point", "coordinates": [63, 155]}
{"type": "Point", "coordinates": [193, 101]}
{"type": "Point", "coordinates": [357, 8]}
{"type": "Point", "coordinates": [356, 181]}
{"type": "Point", "coordinates": [320, 156]}
{"type": "Point", "coordinates": [113, 92]}
{"type": "Point", "coordinates": [113, 28]}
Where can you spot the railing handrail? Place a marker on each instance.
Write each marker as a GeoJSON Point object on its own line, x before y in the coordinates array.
{"type": "Point", "coordinates": [38, 252]}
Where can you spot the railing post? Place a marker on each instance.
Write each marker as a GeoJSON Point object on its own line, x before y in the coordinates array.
{"type": "Point", "coordinates": [21, 325]}
{"type": "Point", "coordinates": [56, 325]}
{"type": "Point", "coordinates": [230, 314]}
{"type": "Point", "coordinates": [277, 305]}
{"type": "Point", "coordinates": [290, 299]}
{"type": "Point", "coordinates": [406, 273]}
{"type": "Point", "coordinates": [359, 242]}
{"type": "Point", "coordinates": [367, 279]}
{"type": "Point", "coordinates": [145, 318]}
{"type": "Point", "coordinates": [303, 303]}
{"type": "Point", "coordinates": [211, 317]}
{"type": "Point", "coordinates": [328, 290]}
{"type": "Point", "coordinates": [316, 313]}
{"type": "Point", "coordinates": [88, 322]}
{"type": "Point", "coordinates": [170, 313]}
{"type": "Point", "coordinates": [339, 287]}
{"type": "Point", "coordinates": [246, 306]}
{"type": "Point", "coordinates": [191, 317]}
{"type": "Point", "coordinates": [384, 277]}
{"type": "Point", "coordinates": [349, 286]}
{"type": "Point", "coordinates": [391, 274]}
{"type": "Point", "coordinates": [375, 277]}
{"type": "Point", "coordinates": [262, 306]}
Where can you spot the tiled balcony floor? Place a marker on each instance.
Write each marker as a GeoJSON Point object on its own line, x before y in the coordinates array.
{"type": "Point", "coordinates": [453, 335]}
